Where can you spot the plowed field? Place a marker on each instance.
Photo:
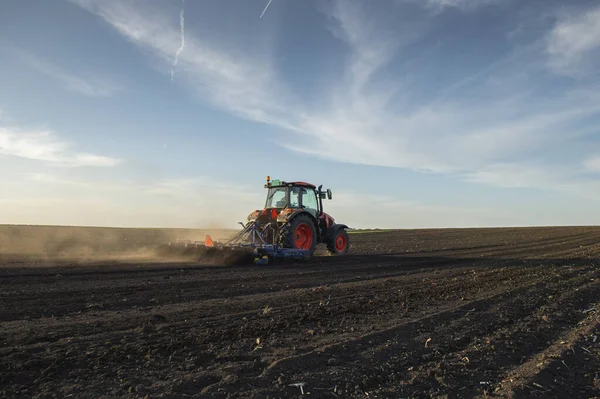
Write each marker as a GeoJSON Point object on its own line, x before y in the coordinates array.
{"type": "Point", "coordinates": [416, 313]}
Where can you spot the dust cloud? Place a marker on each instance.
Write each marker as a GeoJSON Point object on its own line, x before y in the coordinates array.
{"type": "Point", "coordinates": [45, 245]}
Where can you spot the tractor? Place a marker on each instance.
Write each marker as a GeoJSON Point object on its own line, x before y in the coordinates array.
{"type": "Point", "coordinates": [290, 225]}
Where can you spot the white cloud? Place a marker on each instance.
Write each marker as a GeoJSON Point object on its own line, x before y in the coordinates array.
{"type": "Point", "coordinates": [440, 5]}
{"type": "Point", "coordinates": [522, 175]}
{"type": "Point", "coordinates": [592, 164]}
{"type": "Point", "coordinates": [92, 86]}
{"type": "Point", "coordinates": [372, 44]}
{"type": "Point", "coordinates": [481, 137]}
{"type": "Point", "coordinates": [42, 145]}
{"type": "Point", "coordinates": [573, 39]}
{"type": "Point", "coordinates": [446, 136]}
{"type": "Point", "coordinates": [466, 4]}
{"type": "Point", "coordinates": [481, 141]}
{"type": "Point", "coordinates": [247, 87]}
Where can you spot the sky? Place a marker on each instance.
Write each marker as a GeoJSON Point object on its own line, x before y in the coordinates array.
{"type": "Point", "coordinates": [415, 113]}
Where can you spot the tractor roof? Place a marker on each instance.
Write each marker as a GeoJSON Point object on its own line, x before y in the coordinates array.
{"type": "Point", "coordinates": [280, 183]}
{"type": "Point", "coordinates": [302, 184]}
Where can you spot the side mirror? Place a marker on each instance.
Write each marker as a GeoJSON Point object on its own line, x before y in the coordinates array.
{"type": "Point", "coordinates": [329, 195]}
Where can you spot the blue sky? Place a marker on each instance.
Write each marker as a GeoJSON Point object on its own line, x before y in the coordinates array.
{"type": "Point", "coordinates": [416, 113]}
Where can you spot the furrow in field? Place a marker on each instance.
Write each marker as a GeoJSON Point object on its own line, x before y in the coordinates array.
{"type": "Point", "coordinates": [574, 355]}
{"type": "Point", "coordinates": [409, 291]}
{"type": "Point", "coordinates": [387, 356]}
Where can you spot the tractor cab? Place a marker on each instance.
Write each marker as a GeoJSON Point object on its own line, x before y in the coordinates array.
{"type": "Point", "coordinates": [296, 195]}
{"type": "Point", "coordinates": [293, 217]}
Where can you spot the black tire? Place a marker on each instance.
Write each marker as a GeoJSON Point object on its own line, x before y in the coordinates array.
{"type": "Point", "coordinates": [288, 233]}
{"type": "Point", "coordinates": [339, 243]}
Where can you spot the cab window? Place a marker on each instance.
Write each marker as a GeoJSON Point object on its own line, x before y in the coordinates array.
{"type": "Point", "coordinates": [309, 200]}
{"type": "Point", "coordinates": [276, 198]}
{"type": "Point", "coordinates": [295, 194]}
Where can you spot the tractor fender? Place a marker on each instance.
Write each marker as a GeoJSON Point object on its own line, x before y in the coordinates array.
{"type": "Point", "coordinates": [253, 216]}
{"type": "Point", "coordinates": [333, 229]}
{"type": "Point", "coordinates": [288, 214]}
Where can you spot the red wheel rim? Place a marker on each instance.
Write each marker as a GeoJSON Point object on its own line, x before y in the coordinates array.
{"type": "Point", "coordinates": [340, 243]}
{"type": "Point", "coordinates": [303, 236]}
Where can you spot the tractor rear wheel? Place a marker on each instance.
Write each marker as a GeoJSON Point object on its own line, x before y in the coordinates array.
{"type": "Point", "coordinates": [338, 244]}
{"type": "Point", "coordinates": [300, 233]}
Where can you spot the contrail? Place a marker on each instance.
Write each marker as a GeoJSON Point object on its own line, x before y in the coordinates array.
{"type": "Point", "coordinates": [182, 29]}
{"type": "Point", "coordinates": [263, 13]}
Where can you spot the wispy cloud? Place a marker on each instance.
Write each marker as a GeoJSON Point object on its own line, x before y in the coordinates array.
{"type": "Point", "coordinates": [43, 145]}
{"type": "Point", "coordinates": [412, 214]}
{"type": "Point", "coordinates": [574, 38]}
{"type": "Point", "coordinates": [93, 86]}
{"type": "Point", "coordinates": [592, 163]}
{"type": "Point", "coordinates": [371, 45]}
{"type": "Point", "coordinates": [247, 87]}
{"type": "Point", "coordinates": [483, 141]}
{"type": "Point", "coordinates": [182, 45]}
{"type": "Point", "coordinates": [265, 9]}
{"type": "Point", "coordinates": [450, 135]}
{"type": "Point", "coordinates": [480, 128]}
{"type": "Point", "coordinates": [191, 201]}
{"type": "Point", "coordinates": [440, 5]}
{"type": "Point", "coordinates": [177, 190]}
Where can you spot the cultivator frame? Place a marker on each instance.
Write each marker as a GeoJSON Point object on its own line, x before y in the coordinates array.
{"type": "Point", "coordinates": [251, 241]}
{"type": "Point", "coordinates": [253, 237]}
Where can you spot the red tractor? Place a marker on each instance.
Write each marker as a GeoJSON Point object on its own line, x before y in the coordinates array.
{"type": "Point", "coordinates": [293, 218]}
{"type": "Point", "coordinates": [290, 225]}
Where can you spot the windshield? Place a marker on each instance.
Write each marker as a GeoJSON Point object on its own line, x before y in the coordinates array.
{"type": "Point", "coordinates": [291, 197]}
{"type": "Point", "coordinates": [276, 197]}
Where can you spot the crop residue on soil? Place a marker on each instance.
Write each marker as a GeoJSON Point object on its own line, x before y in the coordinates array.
{"type": "Point", "coordinates": [418, 313]}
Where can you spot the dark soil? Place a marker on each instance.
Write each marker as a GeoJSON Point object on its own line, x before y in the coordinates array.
{"type": "Point", "coordinates": [418, 313]}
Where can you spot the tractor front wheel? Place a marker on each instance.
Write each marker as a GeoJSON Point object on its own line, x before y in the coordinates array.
{"type": "Point", "coordinates": [338, 244]}
{"type": "Point", "coordinates": [300, 233]}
